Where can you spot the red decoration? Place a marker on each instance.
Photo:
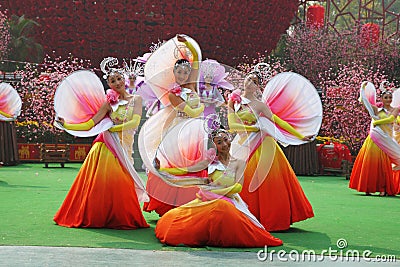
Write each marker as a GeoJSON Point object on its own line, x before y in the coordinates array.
{"type": "Point", "coordinates": [29, 152]}
{"type": "Point", "coordinates": [331, 155]}
{"type": "Point", "coordinates": [226, 30]}
{"type": "Point", "coordinates": [78, 152]}
{"type": "Point", "coordinates": [370, 33]}
{"type": "Point", "coordinates": [315, 16]}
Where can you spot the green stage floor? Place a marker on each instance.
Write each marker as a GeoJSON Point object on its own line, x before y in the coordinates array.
{"type": "Point", "coordinates": [30, 195]}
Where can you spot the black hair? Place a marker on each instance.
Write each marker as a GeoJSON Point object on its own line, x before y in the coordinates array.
{"type": "Point", "coordinates": [384, 92]}
{"type": "Point", "coordinates": [215, 132]}
{"type": "Point", "coordinates": [182, 62]}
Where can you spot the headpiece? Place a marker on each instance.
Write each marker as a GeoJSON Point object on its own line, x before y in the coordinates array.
{"type": "Point", "coordinates": [217, 131]}
{"type": "Point", "coordinates": [155, 46]}
{"type": "Point", "coordinates": [208, 68]}
{"type": "Point", "coordinates": [262, 71]}
{"type": "Point", "coordinates": [383, 89]}
{"type": "Point", "coordinates": [135, 67]}
{"type": "Point", "coordinates": [183, 63]}
{"type": "Point", "coordinates": [211, 123]}
{"type": "Point", "coordinates": [107, 64]}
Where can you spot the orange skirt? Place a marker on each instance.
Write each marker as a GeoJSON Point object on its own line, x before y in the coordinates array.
{"type": "Point", "coordinates": [102, 196]}
{"type": "Point", "coordinates": [372, 171]}
{"type": "Point", "coordinates": [215, 223]}
{"type": "Point", "coordinates": [164, 196]}
{"type": "Point", "coordinates": [279, 200]}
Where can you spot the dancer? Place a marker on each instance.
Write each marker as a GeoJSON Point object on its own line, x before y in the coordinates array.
{"type": "Point", "coordinates": [212, 77]}
{"type": "Point", "coordinates": [270, 186]}
{"type": "Point", "coordinates": [136, 84]}
{"type": "Point", "coordinates": [10, 108]}
{"type": "Point", "coordinates": [372, 170]}
{"type": "Point", "coordinates": [174, 138]}
{"type": "Point", "coordinates": [107, 189]}
{"type": "Point", "coordinates": [218, 217]}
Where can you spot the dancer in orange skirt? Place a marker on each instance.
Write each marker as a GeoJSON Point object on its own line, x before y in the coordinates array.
{"type": "Point", "coordinates": [174, 138]}
{"type": "Point", "coordinates": [107, 189]}
{"type": "Point", "coordinates": [218, 217]}
{"type": "Point", "coordinates": [270, 186]}
{"type": "Point", "coordinates": [372, 171]}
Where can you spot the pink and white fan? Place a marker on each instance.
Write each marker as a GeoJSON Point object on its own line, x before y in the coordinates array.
{"type": "Point", "coordinates": [78, 97]}
{"type": "Point", "coordinates": [158, 70]}
{"type": "Point", "coordinates": [295, 100]}
{"type": "Point", "coordinates": [10, 102]}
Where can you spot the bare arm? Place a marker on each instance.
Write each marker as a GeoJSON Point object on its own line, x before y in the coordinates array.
{"type": "Point", "coordinates": [176, 101]}
{"type": "Point", "coordinates": [137, 108]}
{"type": "Point", "coordinates": [263, 110]}
{"type": "Point", "coordinates": [240, 167]}
{"type": "Point", "coordinates": [104, 109]}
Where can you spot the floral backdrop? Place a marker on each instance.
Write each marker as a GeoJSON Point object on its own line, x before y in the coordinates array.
{"type": "Point", "coordinates": [4, 33]}
{"type": "Point", "coordinates": [91, 29]}
{"type": "Point", "coordinates": [37, 88]}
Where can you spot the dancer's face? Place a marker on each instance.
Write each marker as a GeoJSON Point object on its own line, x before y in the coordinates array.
{"type": "Point", "coordinates": [181, 74]}
{"type": "Point", "coordinates": [222, 142]}
{"type": "Point", "coordinates": [116, 82]}
{"type": "Point", "coordinates": [387, 99]}
{"type": "Point", "coordinates": [251, 83]}
{"type": "Point", "coordinates": [132, 79]}
{"type": "Point", "coordinates": [208, 79]}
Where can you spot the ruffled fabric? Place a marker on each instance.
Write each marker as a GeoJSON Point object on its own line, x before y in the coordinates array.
{"type": "Point", "coordinates": [10, 103]}
{"type": "Point", "coordinates": [215, 223]}
{"type": "Point", "coordinates": [107, 189]}
{"type": "Point", "coordinates": [178, 142]}
{"type": "Point", "coordinates": [204, 220]}
{"type": "Point", "coordinates": [271, 189]}
{"type": "Point", "coordinates": [103, 195]}
{"type": "Point", "coordinates": [372, 170]}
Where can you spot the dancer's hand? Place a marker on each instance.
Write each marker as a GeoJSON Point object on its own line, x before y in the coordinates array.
{"type": "Point", "coordinates": [308, 138]}
{"type": "Point", "coordinates": [181, 38]}
{"type": "Point", "coordinates": [60, 120]}
{"type": "Point", "coordinates": [364, 84]}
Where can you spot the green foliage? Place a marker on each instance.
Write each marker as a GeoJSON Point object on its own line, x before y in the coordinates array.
{"type": "Point", "coordinates": [22, 45]}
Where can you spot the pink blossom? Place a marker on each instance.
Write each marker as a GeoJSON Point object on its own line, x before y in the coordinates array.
{"type": "Point", "coordinates": [35, 124]}
{"type": "Point", "coordinates": [112, 96]}
{"type": "Point", "coordinates": [235, 96]}
{"type": "Point", "coordinates": [4, 33]}
{"type": "Point", "coordinates": [176, 90]}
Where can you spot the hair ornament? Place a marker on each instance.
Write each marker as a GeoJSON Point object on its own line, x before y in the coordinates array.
{"type": "Point", "coordinates": [218, 131]}
{"type": "Point", "coordinates": [155, 46]}
{"type": "Point", "coordinates": [107, 64]}
{"type": "Point", "coordinates": [211, 123]}
{"type": "Point", "coordinates": [134, 68]}
{"type": "Point", "coordinates": [183, 63]}
{"type": "Point", "coordinates": [384, 89]}
{"type": "Point", "coordinates": [208, 68]}
{"type": "Point", "coordinates": [263, 71]}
